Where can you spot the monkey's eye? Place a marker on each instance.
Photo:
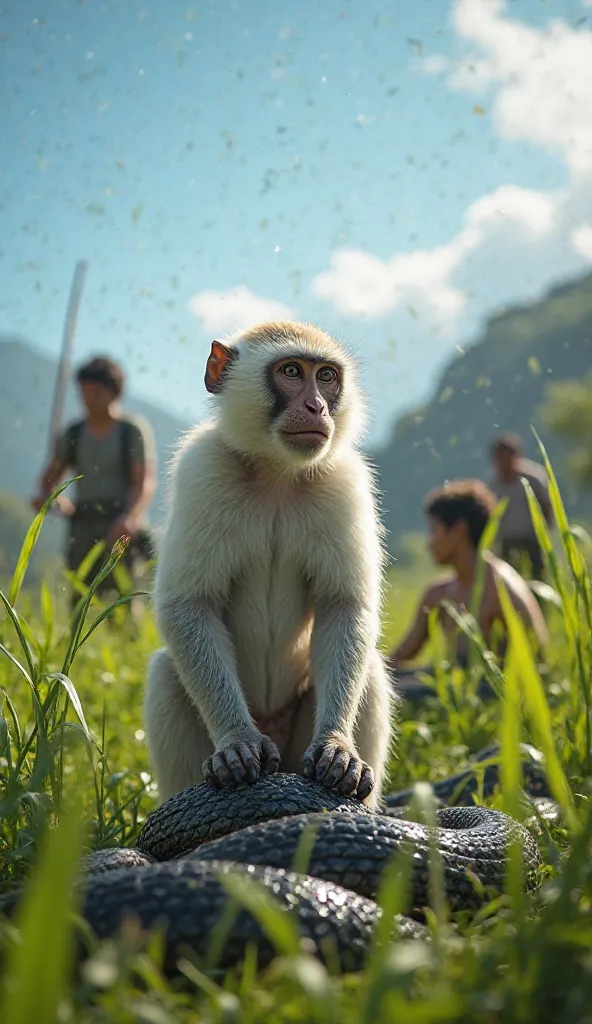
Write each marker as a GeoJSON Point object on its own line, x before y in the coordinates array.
{"type": "Point", "coordinates": [291, 370]}
{"type": "Point", "coordinates": [326, 374]}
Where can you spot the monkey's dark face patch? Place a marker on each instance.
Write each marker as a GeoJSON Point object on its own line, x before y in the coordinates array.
{"type": "Point", "coordinates": [279, 398]}
{"type": "Point", "coordinates": [305, 394]}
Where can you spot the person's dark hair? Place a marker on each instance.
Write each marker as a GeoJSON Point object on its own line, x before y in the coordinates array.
{"type": "Point", "coordinates": [102, 370]}
{"type": "Point", "coordinates": [470, 500]}
{"type": "Point", "coordinates": [506, 443]}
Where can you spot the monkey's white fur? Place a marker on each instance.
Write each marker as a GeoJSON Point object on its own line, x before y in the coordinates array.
{"type": "Point", "coordinates": [269, 578]}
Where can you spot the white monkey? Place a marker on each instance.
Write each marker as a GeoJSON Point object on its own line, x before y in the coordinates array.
{"type": "Point", "coordinates": [269, 579]}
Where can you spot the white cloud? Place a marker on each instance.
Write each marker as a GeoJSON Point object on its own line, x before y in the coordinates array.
{"type": "Point", "coordinates": [360, 284]}
{"type": "Point", "coordinates": [543, 77]}
{"type": "Point", "coordinates": [513, 241]}
{"type": "Point", "coordinates": [581, 238]}
{"type": "Point", "coordinates": [521, 208]}
{"type": "Point", "coordinates": [236, 309]}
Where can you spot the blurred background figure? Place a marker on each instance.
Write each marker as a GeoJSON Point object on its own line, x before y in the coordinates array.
{"type": "Point", "coordinates": [457, 515]}
{"type": "Point", "coordinates": [115, 456]}
{"type": "Point", "coordinates": [516, 534]}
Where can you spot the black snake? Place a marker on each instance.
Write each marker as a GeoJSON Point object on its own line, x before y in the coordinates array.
{"type": "Point", "coordinates": [175, 874]}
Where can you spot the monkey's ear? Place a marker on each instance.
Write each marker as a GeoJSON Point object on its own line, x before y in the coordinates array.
{"type": "Point", "coordinates": [218, 362]}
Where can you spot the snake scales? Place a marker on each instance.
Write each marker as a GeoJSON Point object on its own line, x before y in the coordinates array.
{"type": "Point", "coordinates": [175, 873]}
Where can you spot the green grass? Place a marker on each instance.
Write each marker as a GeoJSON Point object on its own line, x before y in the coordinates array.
{"type": "Point", "coordinates": [75, 776]}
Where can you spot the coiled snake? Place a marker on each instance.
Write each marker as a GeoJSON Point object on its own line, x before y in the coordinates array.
{"type": "Point", "coordinates": [175, 874]}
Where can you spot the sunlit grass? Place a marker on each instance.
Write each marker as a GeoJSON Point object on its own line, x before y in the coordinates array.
{"type": "Point", "coordinates": [71, 736]}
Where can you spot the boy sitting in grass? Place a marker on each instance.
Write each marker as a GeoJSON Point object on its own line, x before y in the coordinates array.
{"type": "Point", "coordinates": [457, 515]}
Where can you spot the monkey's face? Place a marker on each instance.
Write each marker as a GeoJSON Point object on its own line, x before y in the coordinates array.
{"type": "Point", "coordinates": [306, 394]}
{"type": "Point", "coordinates": [287, 395]}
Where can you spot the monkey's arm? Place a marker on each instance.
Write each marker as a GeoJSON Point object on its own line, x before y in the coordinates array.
{"type": "Point", "coordinates": [201, 649]}
{"type": "Point", "coordinates": [343, 639]}
{"type": "Point", "coordinates": [346, 589]}
{"type": "Point", "coordinates": [194, 573]}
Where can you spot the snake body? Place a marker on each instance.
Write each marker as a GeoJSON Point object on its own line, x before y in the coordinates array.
{"type": "Point", "coordinates": [191, 897]}
{"type": "Point", "coordinates": [352, 850]}
{"type": "Point", "coordinates": [199, 814]}
{"type": "Point", "coordinates": [176, 873]}
{"type": "Point", "coordinates": [459, 788]}
{"type": "Point", "coordinates": [187, 846]}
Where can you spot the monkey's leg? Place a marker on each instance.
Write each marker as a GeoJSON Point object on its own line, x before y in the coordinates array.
{"type": "Point", "coordinates": [373, 728]}
{"type": "Point", "coordinates": [178, 741]}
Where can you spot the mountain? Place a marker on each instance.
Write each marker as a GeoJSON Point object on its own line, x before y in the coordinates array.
{"type": "Point", "coordinates": [27, 379]}
{"type": "Point", "coordinates": [495, 385]}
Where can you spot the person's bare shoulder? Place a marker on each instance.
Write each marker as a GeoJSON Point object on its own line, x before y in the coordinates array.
{"type": "Point", "coordinates": [520, 595]}
{"type": "Point", "coordinates": [533, 471]}
{"type": "Point", "coordinates": [435, 592]}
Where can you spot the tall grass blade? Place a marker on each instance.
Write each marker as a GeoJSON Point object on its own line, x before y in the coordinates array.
{"type": "Point", "coordinates": [12, 615]}
{"type": "Point", "coordinates": [89, 560]}
{"type": "Point", "coordinates": [511, 773]}
{"type": "Point", "coordinates": [536, 703]}
{"type": "Point", "coordinates": [18, 665]}
{"type": "Point", "coordinates": [304, 848]}
{"type": "Point", "coordinates": [16, 725]}
{"type": "Point", "coordinates": [29, 543]}
{"type": "Point", "coordinates": [106, 612]}
{"type": "Point", "coordinates": [542, 534]}
{"type": "Point", "coordinates": [37, 968]}
{"type": "Point", "coordinates": [280, 927]}
{"type": "Point", "coordinates": [116, 553]}
{"type": "Point", "coordinates": [74, 699]}
{"type": "Point", "coordinates": [577, 602]}
{"type": "Point", "coordinates": [47, 612]}
{"type": "Point", "coordinates": [392, 898]}
{"type": "Point", "coordinates": [423, 809]}
{"type": "Point", "coordinates": [312, 980]}
{"type": "Point", "coordinates": [486, 543]}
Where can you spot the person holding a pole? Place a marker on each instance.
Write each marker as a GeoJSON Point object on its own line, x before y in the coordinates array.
{"type": "Point", "coordinates": [115, 456]}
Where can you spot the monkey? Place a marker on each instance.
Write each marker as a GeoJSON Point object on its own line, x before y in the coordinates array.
{"type": "Point", "coordinates": [269, 578]}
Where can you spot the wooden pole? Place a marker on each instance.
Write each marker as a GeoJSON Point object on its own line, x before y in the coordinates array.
{"type": "Point", "coordinates": [61, 385]}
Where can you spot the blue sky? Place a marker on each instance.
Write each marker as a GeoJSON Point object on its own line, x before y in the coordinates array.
{"type": "Point", "coordinates": [186, 149]}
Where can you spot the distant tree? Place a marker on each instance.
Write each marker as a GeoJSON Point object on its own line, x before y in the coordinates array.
{"type": "Point", "coordinates": [568, 411]}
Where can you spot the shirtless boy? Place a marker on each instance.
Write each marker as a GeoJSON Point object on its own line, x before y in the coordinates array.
{"type": "Point", "coordinates": [457, 515]}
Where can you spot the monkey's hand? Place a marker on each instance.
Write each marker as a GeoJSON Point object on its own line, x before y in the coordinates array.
{"type": "Point", "coordinates": [333, 761]}
{"type": "Point", "coordinates": [241, 756]}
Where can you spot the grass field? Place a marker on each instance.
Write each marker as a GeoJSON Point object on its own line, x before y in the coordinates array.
{"type": "Point", "coordinates": [74, 776]}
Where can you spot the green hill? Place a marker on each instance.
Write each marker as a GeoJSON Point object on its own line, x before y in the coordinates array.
{"type": "Point", "coordinates": [494, 385]}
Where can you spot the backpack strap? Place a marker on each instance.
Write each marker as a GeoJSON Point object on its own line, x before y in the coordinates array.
{"type": "Point", "coordinates": [72, 436]}
{"type": "Point", "coordinates": [126, 448]}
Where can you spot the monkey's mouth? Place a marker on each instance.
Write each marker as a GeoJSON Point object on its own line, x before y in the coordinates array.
{"type": "Point", "coordinates": [305, 438]}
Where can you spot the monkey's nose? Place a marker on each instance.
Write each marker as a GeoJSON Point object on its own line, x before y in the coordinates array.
{"type": "Point", "coordinates": [314, 404]}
